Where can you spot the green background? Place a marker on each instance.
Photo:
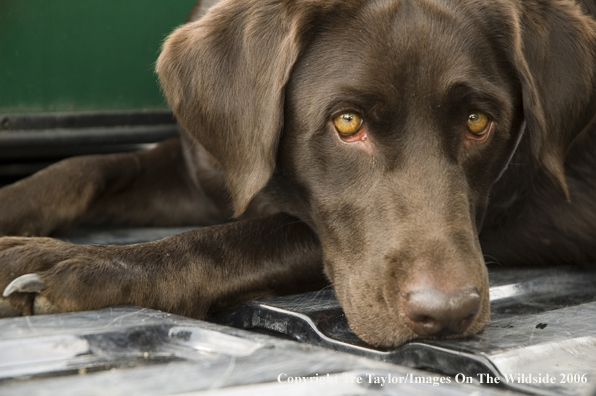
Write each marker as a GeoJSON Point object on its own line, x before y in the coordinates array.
{"type": "Point", "coordinates": [83, 55]}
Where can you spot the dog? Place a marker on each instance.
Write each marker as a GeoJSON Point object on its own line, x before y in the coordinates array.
{"type": "Point", "coordinates": [386, 147]}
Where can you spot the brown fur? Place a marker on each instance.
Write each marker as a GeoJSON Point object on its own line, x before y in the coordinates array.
{"type": "Point", "coordinates": [398, 222]}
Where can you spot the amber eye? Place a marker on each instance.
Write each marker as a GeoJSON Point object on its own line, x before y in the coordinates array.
{"type": "Point", "coordinates": [478, 123]}
{"type": "Point", "coordinates": [347, 123]}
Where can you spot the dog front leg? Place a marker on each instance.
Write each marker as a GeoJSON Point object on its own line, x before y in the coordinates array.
{"type": "Point", "coordinates": [186, 274]}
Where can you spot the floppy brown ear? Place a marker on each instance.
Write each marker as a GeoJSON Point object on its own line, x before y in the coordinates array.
{"type": "Point", "coordinates": [553, 53]}
{"type": "Point", "coordinates": [224, 77]}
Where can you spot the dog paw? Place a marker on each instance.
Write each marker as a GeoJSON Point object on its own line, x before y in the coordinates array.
{"type": "Point", "coordinates": [44, 275]}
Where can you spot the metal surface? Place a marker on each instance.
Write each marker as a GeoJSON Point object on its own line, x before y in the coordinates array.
{"type": "Point", "coordinates": [133, 351]}
{"type": "Point", "coordinates": [10, 140]}
{"type": "Point", "coordinates": [543, 328]}
{"type": "Point", "coordinates": [541, 339]}
{"type": "Point", "coordinates": [28, 143]}
{"type": "Point", "coordinates": [80, 120]}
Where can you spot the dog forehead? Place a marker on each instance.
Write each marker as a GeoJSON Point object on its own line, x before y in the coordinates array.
{"type": "Point", "coordinates": [393, 46]}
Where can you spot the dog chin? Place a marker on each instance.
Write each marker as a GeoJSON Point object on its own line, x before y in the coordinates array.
{"type": "Point", "coordinates": [386, 335]}
{"type": "Point", "coordinates": [386, 327]}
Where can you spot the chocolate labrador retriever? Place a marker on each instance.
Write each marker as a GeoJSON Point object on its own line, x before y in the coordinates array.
{"type": "Point", "coordinates": [386, 144]}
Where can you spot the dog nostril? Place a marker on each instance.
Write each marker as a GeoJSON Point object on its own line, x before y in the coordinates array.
{"type": "Point", "coordinates": [431, 312]}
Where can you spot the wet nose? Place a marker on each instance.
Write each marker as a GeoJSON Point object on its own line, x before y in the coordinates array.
{"type": "Point", "coordinates": [432, 312]}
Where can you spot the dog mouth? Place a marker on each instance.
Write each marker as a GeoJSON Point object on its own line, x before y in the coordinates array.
{"type": "Point", "coordinates": [437, 320]}
{"type": "Point", "coordinates": [390, 313]}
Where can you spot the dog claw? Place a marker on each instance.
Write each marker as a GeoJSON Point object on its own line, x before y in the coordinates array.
{"type": "Point", "coordinates": [29, 283]}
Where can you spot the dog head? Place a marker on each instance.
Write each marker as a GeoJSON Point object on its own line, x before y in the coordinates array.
{"type": "Point", "coordinates": [384, 124]}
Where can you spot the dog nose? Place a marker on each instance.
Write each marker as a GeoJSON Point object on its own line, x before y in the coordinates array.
{"type": "Point", "coordinates": [432, 312]}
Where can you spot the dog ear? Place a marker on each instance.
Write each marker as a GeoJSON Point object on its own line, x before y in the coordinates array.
{"type": "Point", "coordinates": [224, 77]}
{"type": "Point", "coordinates": [552, 49]}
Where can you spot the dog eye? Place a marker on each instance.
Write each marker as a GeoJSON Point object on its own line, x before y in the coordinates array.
{"type": "Point", "coordinates": [347, 123]}
{"type": "Point", "coordinates": [478, 123]}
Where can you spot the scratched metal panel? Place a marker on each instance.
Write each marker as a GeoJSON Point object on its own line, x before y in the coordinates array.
{"type": "Point", "coordinates": [134, 351]}
{"type": "Point", "coordinates": [541, 339]}
{"type": "Point", "coordinates": [543, 327]}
